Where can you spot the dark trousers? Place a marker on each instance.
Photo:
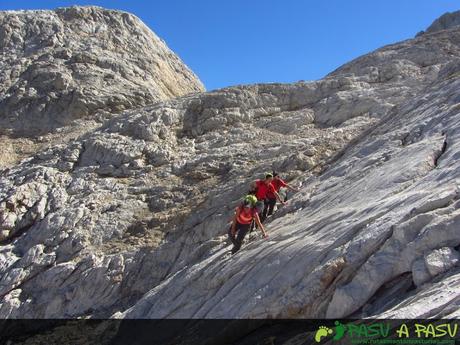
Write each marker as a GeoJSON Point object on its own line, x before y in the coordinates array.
{"type": "Point", "coordinates": [237, 240]}
{"type": "Point", "coordinates": [268, 209]}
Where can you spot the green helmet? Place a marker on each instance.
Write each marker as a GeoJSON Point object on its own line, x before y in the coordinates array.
{"type": "Point", "coordinates": [251, 199]}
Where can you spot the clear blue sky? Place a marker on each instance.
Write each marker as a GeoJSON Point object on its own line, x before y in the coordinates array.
{"type": "Point", "coordinates": [247, 41]}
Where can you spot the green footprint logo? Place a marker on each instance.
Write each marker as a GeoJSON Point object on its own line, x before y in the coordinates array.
{"type": "Point", "coordinates": [339, 330]}
{"type": "Point", "coordinates": [322, 332]}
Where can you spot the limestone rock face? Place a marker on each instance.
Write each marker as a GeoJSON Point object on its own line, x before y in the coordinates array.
{"type": "Point", "coordinates": [446, 21]}
{"type": "Point", "coordinates": [129, 219]}
{"type": "Point", "coordinates": [71, 63]}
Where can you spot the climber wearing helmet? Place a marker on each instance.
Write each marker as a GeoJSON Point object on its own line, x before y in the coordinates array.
{"type": "Point", "coordinates": [262, 189]}
{"type": "Point", "coordinates": [244, 215]}
{"type": "Point", "coordinates": [270, 203]}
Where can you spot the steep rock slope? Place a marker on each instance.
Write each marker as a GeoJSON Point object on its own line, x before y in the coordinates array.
{"type": "Point", "coordinates": [131, 217]}
{"type": "Point", "coordinates": [381, 223]}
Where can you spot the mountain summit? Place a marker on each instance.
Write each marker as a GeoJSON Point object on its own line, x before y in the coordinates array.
{"type": "Point", "coordinates": [448, 20]}
{"type": "Point", "coordinates": [71, 63]}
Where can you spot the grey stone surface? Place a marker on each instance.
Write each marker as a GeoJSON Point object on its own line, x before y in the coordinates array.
{"type": "Point", "coordinates": [129, 218]}
{"type": "Point", "coordinates": [441, 260]}
{"type": "Point", "coordinates": [420, 273]}
{"type": "Point", "coordinates": [58, 66]}
{"type": "Point", "coordinates": [63, 72]}
{"type": "Point", "coordinates": [448, 20]}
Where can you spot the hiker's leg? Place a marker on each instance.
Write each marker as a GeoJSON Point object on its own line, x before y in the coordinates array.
{"type": "Point", "coordinates": [230, 236]}
{"type": "Point", "coordinates": [271, 206]}
{"type": "Point", "coordinates": [242, 231]}
{"type": "Point", "coordinates": [236, 244]}
{"type": "Point", "coordinates": [253, 225]}
{"type": "Point", "coordinates": [265, 211]}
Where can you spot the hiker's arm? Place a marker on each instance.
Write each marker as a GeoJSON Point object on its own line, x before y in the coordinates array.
{"type": "Point", "coordinates": [237, 212]}
{"type": "Point", "coordinates": [259, 224]}
{"type": "Point", "coordinates": [279, 198]}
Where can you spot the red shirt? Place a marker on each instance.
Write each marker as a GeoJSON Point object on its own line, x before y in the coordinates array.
{"type": "Point", "coordinates": [263, 189]}
{"type": "Point", "coordinates": [277, 184]}
{"type": "Point", "coordinates": [245, 215]}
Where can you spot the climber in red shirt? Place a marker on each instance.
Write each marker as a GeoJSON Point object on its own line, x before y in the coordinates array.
{"type": "Point", "coordinates": [263, 188]}
{"type": "Point", "coordinates": [270, 202]}
{"type": "Point", "coordinates": [245, 215]}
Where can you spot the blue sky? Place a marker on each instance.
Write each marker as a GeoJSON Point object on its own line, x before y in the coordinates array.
{"type": "Point", "coordinates": [248, 41]}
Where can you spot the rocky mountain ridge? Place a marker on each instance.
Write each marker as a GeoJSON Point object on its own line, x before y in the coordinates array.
{"type": "Point", "coordinates": [64, 72]}
{"type": "Point", "coordinates": [129, 219]}
{"type": "Point", "coordinates": [448, 20]}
